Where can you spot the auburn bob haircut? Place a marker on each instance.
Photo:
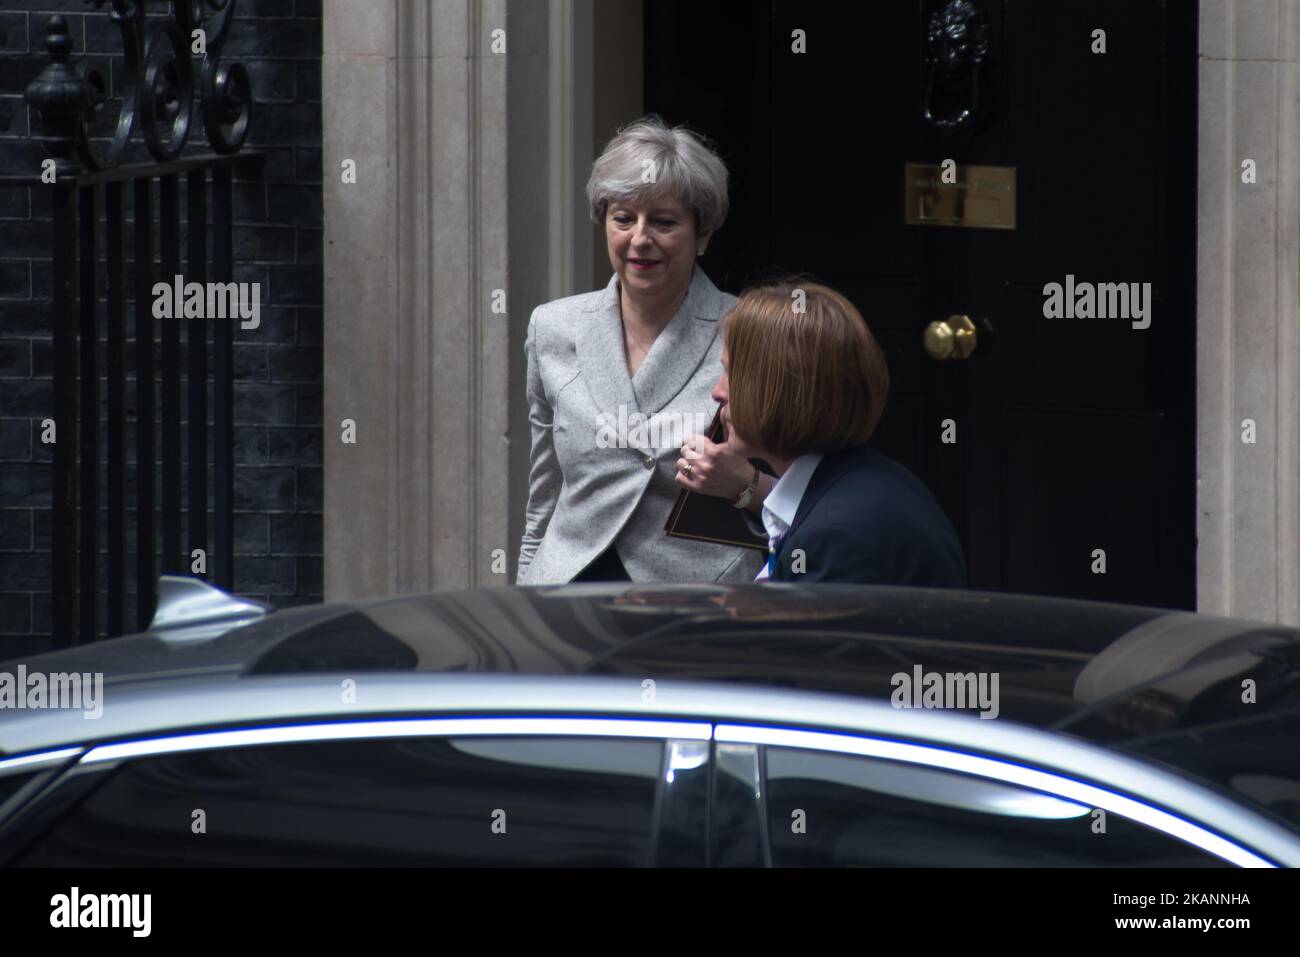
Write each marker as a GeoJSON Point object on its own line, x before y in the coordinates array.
{"type": "Point", "coordinates": [804, 373]}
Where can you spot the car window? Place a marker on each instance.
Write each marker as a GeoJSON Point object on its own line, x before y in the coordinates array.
{"type": "Point", "coordinates": [10, 784]}
{"type": "Point", "coordinates": [833, 810]}
{"type": "Point", "coordinates": [378, 802]}
{"type": "Point", "coordinates": [14, 790]}
{"type": "Point", "coordinates": [1258, 761]}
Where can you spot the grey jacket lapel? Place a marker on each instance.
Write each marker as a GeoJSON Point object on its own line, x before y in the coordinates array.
{"type": "Point", "coordinates": [681, 347]}
{"type": "Point", "coordinates": [601, 353]}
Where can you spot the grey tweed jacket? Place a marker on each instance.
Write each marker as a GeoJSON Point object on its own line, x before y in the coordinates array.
{"type": "Point", "coordinates": [582, 497]}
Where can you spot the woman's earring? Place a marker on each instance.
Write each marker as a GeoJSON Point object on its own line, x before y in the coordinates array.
{"type": "Point", "coordinates": [700, 252]}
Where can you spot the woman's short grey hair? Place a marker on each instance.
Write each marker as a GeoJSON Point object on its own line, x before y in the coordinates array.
{"type": "Point", "coordinates": [649, 160]}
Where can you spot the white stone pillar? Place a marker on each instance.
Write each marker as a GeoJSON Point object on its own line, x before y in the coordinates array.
{"type": "Point", "coordinates": [446, 120]}
{"type": "Point", "coordinates": [1248, 322]}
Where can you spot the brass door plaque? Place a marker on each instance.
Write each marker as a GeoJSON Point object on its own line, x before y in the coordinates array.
{"type": "Point", "coordinates": [983, 197]}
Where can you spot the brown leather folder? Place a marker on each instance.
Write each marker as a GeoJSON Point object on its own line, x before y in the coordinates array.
{"type": "Point", "coordinates": [707, 518]}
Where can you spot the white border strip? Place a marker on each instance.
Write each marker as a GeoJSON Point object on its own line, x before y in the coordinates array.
{"type": "Point", "coordinates": [14, 765]}
{"type": "Point", "coordinates": [420, 727]}
{"type": "Point", "coordinates": [1006, 771]}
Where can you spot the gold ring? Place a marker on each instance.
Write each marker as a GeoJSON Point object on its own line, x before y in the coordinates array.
{"type": "Point", "coordinates": [689, 466]}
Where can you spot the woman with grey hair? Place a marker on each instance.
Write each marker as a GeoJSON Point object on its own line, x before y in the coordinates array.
{"type": "Point", "coordinates": [619, 380]}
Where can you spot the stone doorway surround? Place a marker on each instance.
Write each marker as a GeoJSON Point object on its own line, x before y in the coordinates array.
{"type": "Point", "coordinates": [443, 106]}
{"type": "Point", "coordinates": [449, 206]}
{"type": "Point", "coordinates": [1248, 311]}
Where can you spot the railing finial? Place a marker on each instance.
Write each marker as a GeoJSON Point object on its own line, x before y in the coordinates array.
{"type": "Point", "coordinates": [62, 97]}
{"type": "Point", "coordinates": [57, 42]}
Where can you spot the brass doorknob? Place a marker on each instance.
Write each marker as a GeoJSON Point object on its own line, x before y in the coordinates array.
{"type": "Point", "coordinates": [951, 338]}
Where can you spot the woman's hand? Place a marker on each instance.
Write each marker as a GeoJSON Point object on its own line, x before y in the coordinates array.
{"type": "Point", "coordinates": [714, 469]}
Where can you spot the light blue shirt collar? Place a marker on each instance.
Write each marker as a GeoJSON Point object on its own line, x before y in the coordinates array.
{"type": "Point", "coordinates": [782, 503]}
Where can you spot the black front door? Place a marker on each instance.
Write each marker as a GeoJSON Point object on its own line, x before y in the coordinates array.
{"type": "Point", "coordinates": [1063, 446]}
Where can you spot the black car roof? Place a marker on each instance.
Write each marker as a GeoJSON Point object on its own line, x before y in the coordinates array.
{"type": "Point", "coordinates": [1104, 672]}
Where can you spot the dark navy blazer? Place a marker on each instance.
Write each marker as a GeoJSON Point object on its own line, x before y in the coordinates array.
{"type": "Point", "coordinates": [865, 519]}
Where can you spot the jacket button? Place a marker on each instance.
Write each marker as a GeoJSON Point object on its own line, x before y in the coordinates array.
{"type": "Point", "coordinates": [649, 462]}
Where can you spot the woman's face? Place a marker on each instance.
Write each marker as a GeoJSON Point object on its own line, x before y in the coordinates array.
{"type": "Point", "coordinates": [652, 247]}
{"type": "Point", "coordinates": [722, 395]}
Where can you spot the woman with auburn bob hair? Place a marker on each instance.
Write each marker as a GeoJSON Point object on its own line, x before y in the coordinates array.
{"type": "Point", "coordinates": [803, 385]}
{"type": "Point", "coordinates": [619, 380]}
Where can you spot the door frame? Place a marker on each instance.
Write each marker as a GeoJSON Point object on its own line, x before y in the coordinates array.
{"type": "Point", "coordinates": [1248, 301]}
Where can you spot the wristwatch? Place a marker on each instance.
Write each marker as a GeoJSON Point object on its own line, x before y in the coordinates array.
{"type": "Point", "coordinates": [748, 494]}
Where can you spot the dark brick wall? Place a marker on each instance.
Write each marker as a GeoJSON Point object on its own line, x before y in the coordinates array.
{"type": "Point", "coordinates": [278, 239]}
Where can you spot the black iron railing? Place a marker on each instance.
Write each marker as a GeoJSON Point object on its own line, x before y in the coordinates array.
{"type": "Point", "coordinates": [91, 190]}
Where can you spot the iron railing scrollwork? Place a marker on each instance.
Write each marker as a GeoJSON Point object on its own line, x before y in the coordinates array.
{"type": "Point", "coordinates": [227, 92]}
{"type": "Point", "coordinates": [157, 86]}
